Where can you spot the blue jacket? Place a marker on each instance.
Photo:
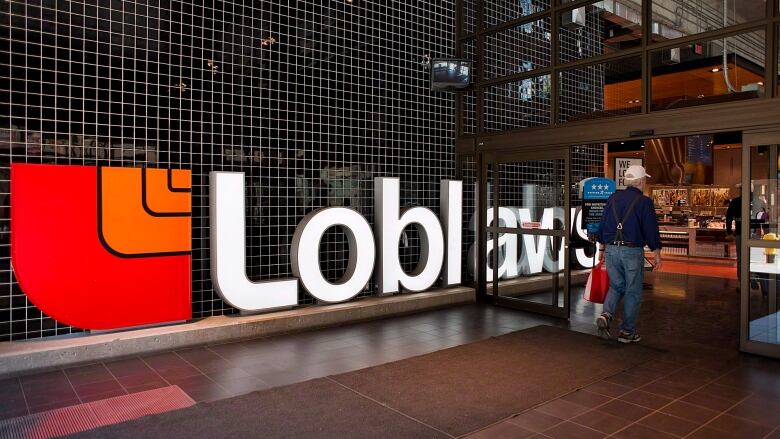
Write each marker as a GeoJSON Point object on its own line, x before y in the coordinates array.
{"type": "Point", "coordinates": [641, 226]}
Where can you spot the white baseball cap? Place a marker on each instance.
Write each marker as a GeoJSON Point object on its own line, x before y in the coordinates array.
{"type": "Point", "coordinates": [635, 172]}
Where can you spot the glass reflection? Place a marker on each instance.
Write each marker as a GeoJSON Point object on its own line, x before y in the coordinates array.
{"type": "Point", "coordinates": [763, 296]}
{"type": "Point", "coordinates": [708, 72]}
{"type": "Point", "coordinates": [679, 18]}
{"type": "Point", "coordinates": [601, 28]}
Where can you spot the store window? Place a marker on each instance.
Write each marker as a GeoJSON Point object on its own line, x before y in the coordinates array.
{"type": "Point", "coordinates": [601, 90]}
{"type": "Point", "coordinates": [601, 28]}
{"type": "Point", "coordinates": [690, 17]}
{"type": "Point", "coordinates": [708, 72]}
{"type": "Point", "coordinates": [519, 104]}
{"type": "Point", "coordinates": [518, 50]}
{"type": "Point", "coordinates": [500, 11]}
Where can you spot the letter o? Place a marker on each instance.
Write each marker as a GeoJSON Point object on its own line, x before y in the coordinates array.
{"type": "Point", "coordinates": [306, 262]}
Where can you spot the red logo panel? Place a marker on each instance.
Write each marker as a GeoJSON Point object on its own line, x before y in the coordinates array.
{"type": "Point", "coordinates": [103, 248]}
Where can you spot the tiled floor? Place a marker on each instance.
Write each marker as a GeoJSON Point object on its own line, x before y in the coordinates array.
{"type": "Point", "coordinates": [677, 396]}
{"type": "Point", "coordinates": [221, 371]}
{"type": "Point", "coordinates": [702, 388]}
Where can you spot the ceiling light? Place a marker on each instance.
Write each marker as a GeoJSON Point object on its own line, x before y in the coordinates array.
{"type": "Point", "coordinates": [760, 82]}
{"type": "Point", "coordinates": [715, 70]}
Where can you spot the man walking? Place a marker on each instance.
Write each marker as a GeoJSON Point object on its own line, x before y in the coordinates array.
{"type": "Point", "coordinates": [627, 225]}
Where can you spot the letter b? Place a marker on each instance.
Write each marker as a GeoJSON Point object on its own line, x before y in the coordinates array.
{"type": "Point", "coordinates": [389, 226]}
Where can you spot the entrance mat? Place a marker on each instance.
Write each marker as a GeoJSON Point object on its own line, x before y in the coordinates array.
{"type": "Point", "coordinates": [445, 393]}
{"type": "Point", "coordinates": [465, 388]}
{"type": "Point", "coordinates": [86, 416]}
{"type": "Point", "coordinates": [319, 408]}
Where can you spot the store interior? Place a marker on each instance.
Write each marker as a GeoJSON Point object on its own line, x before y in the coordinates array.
{"type": "Point", "coordinates": [693, 180]}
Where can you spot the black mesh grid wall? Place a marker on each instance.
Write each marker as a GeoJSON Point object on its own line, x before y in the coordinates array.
{"type": "Point", "coordinates": [469, 112]}
{"type": "Point", "coordinates": [519, 104]}
{"type": "Point", "coordinates": [310, 99]}
{"type": "Point", "coordinates": [500, 11]}
{"type": "Point", "coordinates": [526, 103]}
{"type": "Point", "coordinates": [469, 17]}
{"type": "Point", "coordinates": [536, 185]}
{"type": "Point", "coordinates": [526, 47]}
{"type": "Point", "coordinates": [469, 177]}
{"type": "Point", "coordinates": [544, 178]}
{"type": "Point", "coordinates": [531, 49]}
{"type": "Point", "coordinates": [469, 101]}
{"type": "Point", "coordinates": [580, 42]}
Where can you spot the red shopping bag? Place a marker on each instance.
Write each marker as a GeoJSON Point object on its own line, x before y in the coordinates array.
{"type": "Point", "coordinates": [598, 284]}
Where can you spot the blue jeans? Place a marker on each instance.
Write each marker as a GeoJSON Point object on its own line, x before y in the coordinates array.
{"type": "Point", "coordinates": [625, 266]}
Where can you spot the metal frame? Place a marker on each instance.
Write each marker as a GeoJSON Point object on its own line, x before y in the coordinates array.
{"type": "Point", "coordinates": [752, 140]}
{"type": "Point", "coordinates": [493, 161]}
{"type": "Point", "coordinates": [754, 114]}
{"type": "Point", "coordinates": [769, 24]}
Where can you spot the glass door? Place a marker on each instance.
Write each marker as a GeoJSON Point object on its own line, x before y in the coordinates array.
{"type": "Point", "coordinates": [760, 245]}
{"type": "Point", "coordinates": [527, 230]}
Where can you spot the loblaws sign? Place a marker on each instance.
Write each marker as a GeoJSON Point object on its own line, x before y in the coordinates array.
{"type": "Point", "coordinates": [525, 254]}
{"type": "Point", "coordinates": [367, 247]}
{"type": "Point", "coordinates": [107, 248]}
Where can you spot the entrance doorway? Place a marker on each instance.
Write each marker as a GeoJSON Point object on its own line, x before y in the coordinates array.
{"type": "Point", "coordinates": [527, 228]}
{"type": "Point", "coordinates": [537, 256]}
{"type": "Point", "coordinates": [760, 245]}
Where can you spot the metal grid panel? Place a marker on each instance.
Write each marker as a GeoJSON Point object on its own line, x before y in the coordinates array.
{"type": "Point", "coordinates": [469, 16]}
{"type": "Point", "coordinates": [582, 90]}
{"type": "Point", "coordinates": [579, 42]}
{"type": "Point", "coordinates": [520, 104]}
{"type": "Point", "coordinates": [339, 98]}
{"type": "Point", "coordinates": [469, 112]}
{"type": "Point", "coordinates": [500, 11]}
{"type": "Point", "coordinates": [526, 103]}
{"type": "Point", "coordinates": [518, 50]}
{"type": "Point", "coordinates": [545, 179]}
{"type": "Point", "coordinates": [469, 97]}
{"type": "Point", "coordinates": [469, 177]}
{"type": "Point", "coordinates": [530, 184]}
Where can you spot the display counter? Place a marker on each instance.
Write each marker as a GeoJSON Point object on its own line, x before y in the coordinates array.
{"type": "Point", "coordinates": [692, 220]}
{"type": "Point", "coordinates": [696, 241]}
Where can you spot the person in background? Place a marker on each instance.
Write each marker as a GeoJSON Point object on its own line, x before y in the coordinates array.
{"type": "Point", "coordinates": [627, 225]}
{"type": "Point", "coordinates": [734, 213]}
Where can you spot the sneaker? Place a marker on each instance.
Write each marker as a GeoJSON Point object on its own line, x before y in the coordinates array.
{"type": "Point", "coordinates": [602, 322]}
{"type": "Point", "coordinates": [625, 337]}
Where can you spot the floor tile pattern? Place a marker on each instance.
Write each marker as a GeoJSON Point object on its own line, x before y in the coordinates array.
{"type": "Point", "coordinates": [702, 386]}
{"type": "Point", "coordinates": [677, 396]}
{"type": "Point", "coordinates": [213, 372]}
{"type": "Point", "coordinates": [77, 418]}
